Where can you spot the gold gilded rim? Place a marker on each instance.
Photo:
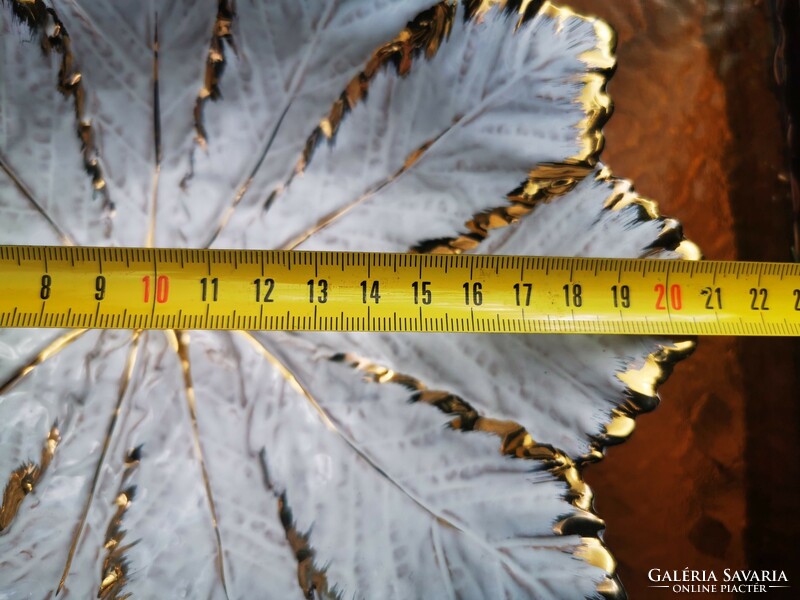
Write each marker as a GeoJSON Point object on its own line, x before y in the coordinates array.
{"type": "Point", "coordinates": [641, 383]}
{"type": "Point", "coordinates": [53, 37]}
{"type": "Point", "coordinates": [545, 183]}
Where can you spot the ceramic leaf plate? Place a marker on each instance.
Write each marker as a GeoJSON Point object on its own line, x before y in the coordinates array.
{"type": "Point", "coordinates": [240, 465]}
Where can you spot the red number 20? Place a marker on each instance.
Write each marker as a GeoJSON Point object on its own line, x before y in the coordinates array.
{"type": "Point", "coordinates": [675, 299]}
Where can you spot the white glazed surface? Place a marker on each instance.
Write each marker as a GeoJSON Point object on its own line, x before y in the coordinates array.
{"type": "Point", "coordinates": [395, 504]}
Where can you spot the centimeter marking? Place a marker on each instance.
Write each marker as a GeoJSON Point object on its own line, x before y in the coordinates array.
{"type": "Point", "coordinates": [147, 288]}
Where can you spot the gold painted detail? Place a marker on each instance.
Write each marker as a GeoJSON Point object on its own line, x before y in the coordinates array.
{"type": "Point", "coordinates": [125, 379]}
{"type": "Point", "coordinates": [642, 382]}
{"type": "Point", "coordinates": [53, 37]}
{"type": "Point", "coordinates": [525, 9]}
{"type": "Point", "coordinates": [640, 395]}
{"type": "Point", "coordinates": [515, 442]}
{"type": "Point", "coordinates": [215, 65]}
{"type": "Point", "coordinates": [655, 370]}
{"type": "Point", "coordinates": [114, 572]}
{"type": "Point", "coordinates": [23, 480]}
{"type": "Point", "coordinates": [515, 439]}
{"type": "Point", "coordinates": [63, 236]}
{"type": "Point", "coordinates": [610, 588]}
{"type": "Point", "coordinates": [547, 181]}
{"type": "Point", "coordinates": [670, 237]}
{"type": "Point", "coordinates": [312, 579]}
{"type": "Point", "coordinates": [179, 341]}
{"type": "Point", "coordinates": [550, 181]}
{"type": "Point", "coordinates": [424, 35]}
{"type": "Point", "coordinates": [326, 419]}
{"type": "Point", "coordinates": [544, 183]}
{"type": "Point", "coordinates": [53, 348]}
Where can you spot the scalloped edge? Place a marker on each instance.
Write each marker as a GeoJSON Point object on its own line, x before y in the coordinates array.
{"type": "Point", "coordinates": [546, 183]}
{"type": "Point", "coordinates": [641, 391]}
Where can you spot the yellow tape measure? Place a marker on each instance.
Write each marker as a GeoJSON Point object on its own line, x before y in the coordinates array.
{"type": "Point", "coordinates": [138, 288]}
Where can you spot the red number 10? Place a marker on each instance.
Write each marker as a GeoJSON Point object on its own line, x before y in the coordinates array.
{"type": "Point", "coordinates": [162, 288]}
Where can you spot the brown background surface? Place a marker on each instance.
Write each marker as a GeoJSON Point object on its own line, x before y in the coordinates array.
{"type": "Point", "coordinates": [709, 480]}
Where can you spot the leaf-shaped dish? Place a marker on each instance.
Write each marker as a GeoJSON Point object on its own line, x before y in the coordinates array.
{"type": "Point", "coordinates": [313, 465]}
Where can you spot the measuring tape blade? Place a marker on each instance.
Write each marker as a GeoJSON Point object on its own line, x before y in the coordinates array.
{"type": "Point", "coordinates": [147, 288]}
